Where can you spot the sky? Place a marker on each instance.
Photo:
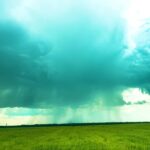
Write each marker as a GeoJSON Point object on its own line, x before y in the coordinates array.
{"type": "Point", "coordinates": [74, 61]}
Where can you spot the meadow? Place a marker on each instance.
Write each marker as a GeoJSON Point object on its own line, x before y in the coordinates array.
{"type": "Point", "coordinates": [82, 137]}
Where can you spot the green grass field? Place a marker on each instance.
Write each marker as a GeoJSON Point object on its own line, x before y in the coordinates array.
{"type": "Point", "coordinates": [92, 137]}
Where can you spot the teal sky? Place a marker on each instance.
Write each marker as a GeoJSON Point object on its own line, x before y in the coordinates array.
{"type": "Point", "coordinates": [67, 61]}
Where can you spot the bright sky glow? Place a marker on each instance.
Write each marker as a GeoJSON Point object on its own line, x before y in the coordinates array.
{"type": "Point", "coordinates": [135, 95]}
{"type": "Point", "coordinates": [136, 14]}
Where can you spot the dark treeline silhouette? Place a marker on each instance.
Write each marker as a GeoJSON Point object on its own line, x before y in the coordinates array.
{"type": "Point", "coordinates": [71, 124]}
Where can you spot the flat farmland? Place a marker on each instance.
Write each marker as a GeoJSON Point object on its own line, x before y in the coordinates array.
{"type": "Point", "coordinates": [81, 137]}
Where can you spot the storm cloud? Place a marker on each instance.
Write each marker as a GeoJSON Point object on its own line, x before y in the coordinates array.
{"type": "Point", "coordinates": [69, 53]}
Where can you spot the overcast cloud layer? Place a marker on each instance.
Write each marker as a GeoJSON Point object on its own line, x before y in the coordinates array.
{"type": "Point", "coordinates": [70, 53]}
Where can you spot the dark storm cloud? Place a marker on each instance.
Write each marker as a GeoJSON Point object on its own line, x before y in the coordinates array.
{"type": "Point", "coordinates": [71, 63]}
{"type": "Point", "coordinates": [21, 64]}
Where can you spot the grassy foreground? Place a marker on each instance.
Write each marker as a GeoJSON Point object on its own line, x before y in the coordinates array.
{"type": "Point", "coordinates": [92, 137]}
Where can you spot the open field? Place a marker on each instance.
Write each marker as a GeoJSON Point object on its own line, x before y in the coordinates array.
{"type": "Point", "coordinates": [88, 137]}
